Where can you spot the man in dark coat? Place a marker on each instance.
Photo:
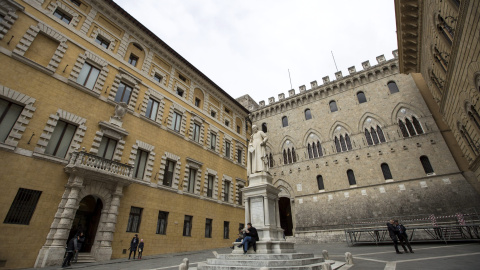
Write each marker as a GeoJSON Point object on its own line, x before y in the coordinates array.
{"type": "Point", "coordinates": [251, 237]}
{"type": "Point", "coordinates": [80, 240]}
{"type": "Point", "coordinates": [394, 234]}
{"type": "Point", "coordinates": [402, 236]}
{"type": "Point", "coordinates": [71, 249]}
{"type": "Point", "coordinates": [133, 247]}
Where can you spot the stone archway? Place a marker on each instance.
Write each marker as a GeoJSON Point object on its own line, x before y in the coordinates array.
{"type": "Point", "coordinates": [286, 205]}
{"type": "Point", "coordinates": [86, 220]}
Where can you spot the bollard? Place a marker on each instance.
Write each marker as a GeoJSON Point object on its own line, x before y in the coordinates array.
{"type": "Point", "coordinates": [326, 266]}
{"type": "Point", "coordinates": [325, 254]}
{"type": "Point", "coordinates": [182, 266]}
{"type": "Point", "coordinates": [215, 254]}
{"type": "Point", "coordinates": [348, 258]}
{"type": "Point", "coordinates": [186, 262]}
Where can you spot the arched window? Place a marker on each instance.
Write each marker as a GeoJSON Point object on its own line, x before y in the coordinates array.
{"type": "Point", "coordinates": [320, 182]}
{"type": "Point", "coordinates": [374, 136]}
{"type": "Point", "coordinates": [294, 156]}
{"type": "Point", "coordinates": [284, 121]}
{"type": "Point", "coordinates": [319, 148]}
{"type": "Point", "coordinates": [417, 125]}
{"type": "Point", "coordinates": [289, 154]}
{"type": "Point", "coordinates": [410, 128]}
{"type": "Point", "coordinates": [337, 145]}
{"type": "Point", "coordinates": [393, 87]}
{"type": "Point", "coordinates": [285, 158]}
{"type": "Point", "coordinates": [342, 143]}
{"type": "Point", "coordinates": [349, 143]}
{"type": "Point", "coordinates": [310, 153]}
{"type": "Point", "coordinates": [368, 137]}
{"type": "Point", "coordinates": [308, 114]}
{"type": "Point", "coordinates": [315, 153]}
{"type": "Point", "coordinates": [386, 171]}
{"type": "Point", "coordinates": [447, 31]}
{"type": "Point", "coordinates": [468, 140]}
{"type": "Point", "coordinates": [333, 106]}
{"type": "Point", "coordinates": [264, 127]}
{"type": "Point", "coordinates": [361, 97]}
{"type": "Point", "coordinates": [473, 115]}
{"type": "Point", "coordinates": [351, 178]}
{"type": "Point", "coordinates": [427, 167]}
{"type": "Point", "coordinates": [403, 128]}
{"type": "Point", "coordinates": [380, 134]}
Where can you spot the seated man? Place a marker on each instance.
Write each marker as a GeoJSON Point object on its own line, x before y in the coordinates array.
{"type": "Point", "coordinates": [240, 237]}
{"type": "Point", "coordinates": [251, 237]}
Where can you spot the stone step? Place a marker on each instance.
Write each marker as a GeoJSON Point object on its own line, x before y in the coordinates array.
{"type": "Point", "coordinates": [255, 256]}
{"type": "Point", "coordinates": [204, 266]}
{"type": "Point", "coordinates": [267, 263]}
{"type": "Point", "coordinates": [85, 258]}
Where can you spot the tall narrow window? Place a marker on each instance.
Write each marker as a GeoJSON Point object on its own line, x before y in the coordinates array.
{"type": "Point", "coordinates": [289, 154]}
{"type": "Point", "coordinates": [351, 178]}
{"type": "Point", "coordinates": [337, 145]}
{"type": "Point", "coordinates": [211, 179]}
{"type": "Point", "coordinates": [320, 182]}
{"type": "Point", "coordinates": [240, 195]}
{"type": "Point", "coordinates": [123, 93]}
{"type": "Point", "coordinates": [285, 159]}
{"type": "Point", "coordinates": [9, 113]}
{"type": "Point", "coordinates": [315, 153]}
{"type": "Point", "coordinates": [239, 156]}
{"type": "Point", "coordinates": [349, 143]}
{"type": "Point", "coordinates": [61, 139]}
{"type": "Point", "coordinates": [226, 191]}
{"type": "Point", "coordinates": [342, 143]}
{"type": "Point", "coordinates": [361, 97]}
{"type": "Point", "coordinates": [197, 102]}
{"type": "Point", "coordinates": [392, 86]}
{"type": "Point", "coordinates": [374, 136]}
{"type": "Point", "coordinates": [294, 156]}
{"type": "Point", "coordinates": [284, 121]}
{"type": "Point", "coordinates": [333, 106]}
{"type": "Point", "coordinates": [310, 152]}
{"type": "Point", "coordinates": [387, 175]}
{"type": "Point", "coordinates": [417, 125]}
{"type": "Point", "coordinates": [88, 76]}
{"type": "Point", "coordinates": [187, 226]}
{"type": "Point", "coordinates": [403, 129]}
{"type": "Point", "coordinates": [169, 172]}
{"type": "Point", "coordinates": [474, 117]}
{"type": "Point", "coordinates": [140, 164]}
{"type": "Point", "coordinates": [213, 141]}
{"type": "Point", "coordinates": [133, 59]}
{"type": "Point", "coordinates": [368, 137]}
{"type": "Point", "coordinates": [468, 139]}
{"type": "Point", "coordinates": [270, 160]}
{"type": "Point", "coordinates": [427, 167]}
{"type": "Point", "coordinates": [162, 222]}
{"type": "Point", "coordinates": [226, 230]}
{"type": "Point", "coordinates": [410, 127]}
{"type": "Point", "coordinates": [264, 127]}
{"type": "Point", "coordinates": [238, 129]}
{"type": "Point", "coordinates": [23, 206]}
{"type": "Point", "coordinates": [102, 41]}
{"type": "Point", "coordinates": [180, 92]}
{"type": "Point", "coordinates": [152, 109]}
{"type": "Point", "coordinates": [319, 148]}
{"type": "Point", "coordinates": [196, 132]}
{"type": "Point", "coordinates": [447, 31]}
{"type": "Point", "coordinates": [62, 16]}
{"type": "Point", "coordinates": [177, 121]}
{"type": "Point", "coordinates": [192, 175]}
{"type": "Point", "coordinates": [208, 228]}
{"type": "Point", "coordinates": [381, 136]}
{"type": "Point", "coordinates": [308, 114]}
{"type": "Point", "coordinates": [134, 219]}
{"type": "Point", "coordinates": [227, 149]}
{"type": "Point", "coordinates": [107, 148]}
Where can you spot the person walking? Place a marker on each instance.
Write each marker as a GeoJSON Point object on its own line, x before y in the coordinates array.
{"type": "Point", "coordinates": [394, 235]}
{"type": "Point", "coordinates": [251, 237]}
{"type": "Point", "coordinates": [140, 248]}
{"type": "Point", "coordinates": [71, 249]}
{"type": "Point", "coordinates": [402, 236]}
{"type": "Point", "coordinates": [133, 247]}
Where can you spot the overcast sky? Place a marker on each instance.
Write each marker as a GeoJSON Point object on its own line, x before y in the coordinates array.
{"type": "Point", "coordinates": [247, 47]}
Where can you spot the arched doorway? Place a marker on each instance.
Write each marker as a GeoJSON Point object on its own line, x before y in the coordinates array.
{"type": "Point", "coordinates": [286, 221]}
{"type": "Point", "coordinates": [86, 220]}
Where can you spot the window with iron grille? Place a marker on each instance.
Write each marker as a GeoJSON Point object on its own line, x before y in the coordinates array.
{"type": "Point", "coordinates": [162, 222]}
{"type": "Point", "coordinates": [23, 206]}
{"type": "Point", "coordinates": [134, 219]}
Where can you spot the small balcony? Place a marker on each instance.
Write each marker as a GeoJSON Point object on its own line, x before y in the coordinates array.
{"type": "Point", "coordinates": [100, 169]}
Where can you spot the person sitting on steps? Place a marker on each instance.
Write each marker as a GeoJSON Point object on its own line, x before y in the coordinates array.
{"type": "Point", "coordinates": [251, 238]}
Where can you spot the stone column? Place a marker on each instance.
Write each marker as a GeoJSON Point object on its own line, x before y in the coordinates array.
{"type": "Point", "coordinates": [247, 211]}
{"type": "Point", "coordinates": [267, 212]}
{"type": "Point", "coordinates": [277, 212]}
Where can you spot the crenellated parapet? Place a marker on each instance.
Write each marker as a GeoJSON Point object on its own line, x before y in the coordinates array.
{"type": "Point", "coordinates": [341, 83]}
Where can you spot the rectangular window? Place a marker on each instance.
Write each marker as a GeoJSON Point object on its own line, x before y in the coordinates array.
{"type": "Point", "coordinates": [134, 219]}
{"type": "Point", "coordinates": [9, 113]}
{"type": "Point", "coordinates": [180, 92]}
{"type": "Point", "coordinates": [76, 2]}
{"type": "Point", "coordinates": [227, 149]}
{"type": "Point", "coordinates": [62, 16]}
{"type": "Point", "coordinates": [88, 76]}
{"type": "Point", "coordinates": [157, 77]}
{"type": "Point", "coordinates": [107, 148]}
{"type": "Point", "coordinates": [102, 41]}
{"type": "Point", "coordinates": [239, 155]}
{"type": "Point", "coordinates": [197, 102]}
{"type": "Point", "coordinates": [152, 109]}
{"type": "Point", "coordinates": [61, 139]}
{"type": "Point", "coordinates": [133, 59]}
{"type": "Point", "coordinates": [227, 123]}
{"type": "Point", "coordinates": [240, 195]}
{"type": "Point", "coordinates": [238, 129]}
{"type": "Point", "coordinates": [123, 93]}
{"type": "Point", "coordinates": [208, 228]}
{"type": "Point", "coordinates": [181, 77]}
{"type": "Point", "coordinates": [23, 206]}
{"type": "Point", "coordinates": [226, 230]}
{"type": "Point", "coordinates": [140, 164]}
{"type": "Point", "coordinates": [213, 141]}
{"type": "Point", "coordinates": [211, 179]}
{"type": "Point", "coordinates": [187, 226]}
{"type": "Point", "coordinates": [226, 191]}
{"type": "Point", "coordinates": [213, 114]}
{"type": "Point", "coordinates": [192, 175]}
{"type": "Point", "coordinates": [196, 132]}
{"type": "Point", "coordinates": [162, 222]}
{"type": "Point", "coordinates": [169, 171]}
{"type": "Point", "coordinates": [227, 110]}
{"type": "Point", "coordinates": [177, 121]}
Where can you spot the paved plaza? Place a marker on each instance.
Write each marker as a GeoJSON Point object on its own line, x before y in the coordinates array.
{"type": "Point", "coordinates": [382, 257]}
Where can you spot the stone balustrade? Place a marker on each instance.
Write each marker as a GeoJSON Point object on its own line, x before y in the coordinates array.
{"type": "Point", "coordinates": [93, 163]}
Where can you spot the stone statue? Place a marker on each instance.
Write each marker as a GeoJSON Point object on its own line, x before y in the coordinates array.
{"type": "Point", "coordinates": [120, 110]}
{"type": "Point", "coordinates": [257, 161]}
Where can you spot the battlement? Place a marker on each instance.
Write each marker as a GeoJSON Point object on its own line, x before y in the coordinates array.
{"type": "Point", "coordinates": [349, 79]}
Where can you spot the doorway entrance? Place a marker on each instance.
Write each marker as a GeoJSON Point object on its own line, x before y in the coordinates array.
{"type": "Point", "coordinates": [86, 220]}
{"type": "Point", "coordinates": [286, 216]}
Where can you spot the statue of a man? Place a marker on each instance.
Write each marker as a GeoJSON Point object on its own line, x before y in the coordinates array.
{"type": "Point", "coordinates": [257, 161]}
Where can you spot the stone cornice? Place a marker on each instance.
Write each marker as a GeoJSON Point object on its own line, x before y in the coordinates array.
{"type": "Point", "coordinates": [409, 18]}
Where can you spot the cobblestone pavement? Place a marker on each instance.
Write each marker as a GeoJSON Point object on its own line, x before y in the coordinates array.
{"type": "Point", "coordinates": [427, 256]}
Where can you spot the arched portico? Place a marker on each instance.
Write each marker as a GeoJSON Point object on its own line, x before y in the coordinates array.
{"type": "Point", "coordinates": [286, 205]}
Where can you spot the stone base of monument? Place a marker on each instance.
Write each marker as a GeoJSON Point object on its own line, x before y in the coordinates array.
{"type": "Point", "coordinates": [268, 247]}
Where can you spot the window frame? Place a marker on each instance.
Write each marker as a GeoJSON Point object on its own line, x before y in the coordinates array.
{"type": "Point", "coordinates": [167, 175]}
{"type": "Point", "coordinates": [308, 114]}
{"type": "Point", "coordinates": [108, 140]}
{"type": "Point", "coordinates": [192, 178]}
{"type": "Point", "coordinates": [209, 226]}
{"type": "Point", "coordinates": [210, 187]}
{"type": "Point", "coordinates": [351, 177]}
{"type": "Point", "coordinates": [133, 59]}
{"type": "Point", "coordinates": [226, 230]}
{"type": "Point", "coordinates": [284, 121]}
{"type": "Point", "coordinates": [131, 221]}
{"type": "Point", "coordinates": [138, 159]}
{"type": "Point", "coordinates": [159, 228]}
{"type": "Point", "coordinates": [334, 109]}
{"type": "Point", "coordinates": [320, 183]}
{"type": "Point", "coordinates": [177, 121]}
{"type": "Point", "coordinates": [151, 111]}
{"type": "Point", "coordinates": [102, 41]}
{"type": "Point", "coordinates": [187, 225]}
{"type": "Point", "coordinates": [60, 139]}
{"type": "Point", "coordinates": [21, 212]}
{"type": "Point", "coordinates": [4, 115]}
{"type": "Point", "coordinates": [393, 87]}
{"type": "Point", "coordinates": [361, 97]}
{"type": "Point", "coordinates": [61, 15]}
{"type": "Point", "coordinates": [87, 78]}
{"type": "Point", "coordinates": [123, 91]}
{"type": "Point", "coordinates": [386, 171]}
{"type": "Point", "coordinates": [196, 132]}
